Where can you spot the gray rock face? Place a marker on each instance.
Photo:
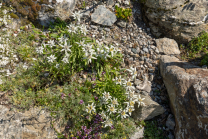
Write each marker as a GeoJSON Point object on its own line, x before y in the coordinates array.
{"type": "Point", "coordinates": [149, 111]}
{"type": "Point", "coordinates": [121, 24]}
{"type": "Point", "coordinates": [110, 2]}
{"type": "Point", "coordinates": [167, 46]}
{"type": "Point", "coordinates": [180, 20]}
{"type": "Point", "coordinates": [170, 123]}
{"type": "Point", "coordinates": [187, 89]}
{"type": "Point", "coordinates": [103, 16]}
{"type": "Point", "coordinates": [32, 124]}
{"type": "Point", "coordinates": [139, 134]}
{"type": "Point", "coordinates": [146, 85]}
{"type": "Point", "coordinates": [41, 12]}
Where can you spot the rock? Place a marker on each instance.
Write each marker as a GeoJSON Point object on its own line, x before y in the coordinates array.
{"type": "Point", "coordinates": [134, 50]}
{"type": "Point", "coordinates": [34, 123]}
{"type": "Point", "coordinates": [107, 29]}
{"type": "Point", "coordinates": [176, 19]}
{"type": "Point", "coordinates": [145, 50]}
{"type": "Point", "coordinates": [139, 133]}
{"type": "Point", "coordinates": [170, 136]}
{"type": "Point", "coordinates": [103, 16]}
{"type": "Point", "coordinates": [85, 13]}
{"type": "Point", "coordinates": [170, 123]}
{"type": "Point", "coordinates": [41, 13]}
{"type": "Point", "coordinates": [147, 112]}
{"type": "Point", "coordinates": [110, 2]}
{"type": "Point", "coordinates": [167, 46]}
{"type": "Point", "coordinates": [146, 85]}
{"type": "Point", "coordinates": [84, 76]}
{"type": "Point", "coordinates": [187, 89]}
{"type": "Point", "coordinates": [137, 82]}
{"type": "Point", "coordinates": [121, 24]}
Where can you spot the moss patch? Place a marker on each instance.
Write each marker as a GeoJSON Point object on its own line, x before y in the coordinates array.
{"type": "Point", "coordinates": [14, 16]}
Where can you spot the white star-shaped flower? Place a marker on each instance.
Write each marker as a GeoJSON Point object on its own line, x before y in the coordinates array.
{"type": "Point", "coordinates": [106, 96]}
{"type": "Point", "coordinates": [123, 113]}
{"type": "Point", "coordinates": [133, 72]}
{"type": "Point", "coordinates": [119, 80]}
{"type": "Point", "coordinates": [51, 58]}
{"type": "Point", "coordinates": [90, 108]}
{"type": "Point", "coordinates": [140, 101]}
{"type": "Point", "coordinates": [77, 15]}
{"type": "Point", "coordinates": [84, 29]}
{"type": "Point", "coordinates": [111, 109]}
{"type": "Point", "coordinates": [66, 47]}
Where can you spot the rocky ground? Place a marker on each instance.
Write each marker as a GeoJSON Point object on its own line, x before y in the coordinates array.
{"type": "Point", "coordinates": [139, 49]}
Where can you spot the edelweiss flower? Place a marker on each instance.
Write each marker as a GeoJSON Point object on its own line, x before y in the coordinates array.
{"type": "Point", "coordinates": [103, 115]}
{"type": "Point", "coordinates": [57, 66]}
{"type": "Point", "coordinates": [133, 72]}
{"type": "Point", "coordinates": [111, 109]}
{"type": "Point", "coordinates": [128, 84]}
{"type": "Point", "coordinates": [90, 57]}
{"type": "Point", "coordinates": [105, 55]}
{"type": "Point", "coordinates": [72, 28]}
{"type": "Point", "coordinates": [111, 50]}
{"type": "Point", "coordinates": [90, 108]}
{"type": "Point", "coordinates": [39, 50]}
{"type": "Point", "coordinates": [81, 43]}
{"type": "Point", "coordinates": [114, 101]}
{"type": "Point", "coordinates": [77, 15]}
{"type": "Point", "coordinates": [130, 103]}
{"type": "Point", "coordinates": [51, 58]}
{"type": "Point", "coordinates": [140, 101]}
{"type": "Point", "coordinates": [130, 110]}
{"type": "Point", "coordinates": [99, 52]}
{"type": "Point", "coordinates": [119, 80]}
{"type": "Point", "coordinates": [131, 95]}
{"type": "Point", "coordinates": [65, 60]}
{"type": "Point", "coordinates": [106, 96]}
{"type": "Point", "coordinates": [88, 47]}
{"type": "Point", "coordinates": [123, 114]}
{"type": "Point", "coordinates": [61, 39]}
{"type": "Point", "coordinates": [84, 29]}
{"type": "Point", "coordinates": [51, 43]}
{"type": "Point", "coordinates": [65, 46]}
{"type": "Point", "coordinates": [108, 122]}
{"type": "Point", "coordinates": [5, 11]}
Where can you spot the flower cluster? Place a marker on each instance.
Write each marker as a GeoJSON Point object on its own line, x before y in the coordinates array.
{"type": "Point", "coordinates": [5, 19]}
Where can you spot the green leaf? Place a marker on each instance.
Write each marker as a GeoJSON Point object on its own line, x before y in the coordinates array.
{"type": "Point", "coordinates": [53, 35]}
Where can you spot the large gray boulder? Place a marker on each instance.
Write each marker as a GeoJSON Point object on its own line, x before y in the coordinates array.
{"type": "Point", "coordinates": [103, 16]}
{"type": "Point", "coordinates": [147, 112]}
{"type": "Point", "coordinates": [187, 87]}
{"type": "Point", "coordinates": [40, 13]}
{"type": "Point", "coordinates": [180, 20]}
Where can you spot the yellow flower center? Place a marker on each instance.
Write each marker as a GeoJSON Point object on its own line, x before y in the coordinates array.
{"type": "Point", "coordinates": [130, 110]}
{"type": "Point", "coordinates": [90, 108]}
{"type": "Point", "coordinates": [119, 80]}
{"type": "Point", "coordinates": [131, 95]}
{"type": "Point", "coordinates": [128, 84]}
{"type": "Point", "coordinates": [135, 72]}
{"type": "Point", "coordinates": [123, 113]}
{"type": "Point", "coordinates": [131, 103]}
{"type": "Point", "coordinates": [106, 96]}
{"type": "Point", "coordinates": [112, 109]}
{"type": "Point", "coordinates": [111, 49]}
{"type": "Point", "coordinates": [114, 102]}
